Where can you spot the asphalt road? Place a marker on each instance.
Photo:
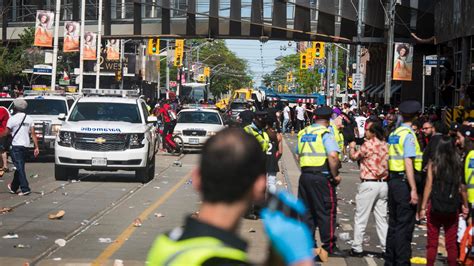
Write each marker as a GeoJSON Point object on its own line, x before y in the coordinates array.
{"type": "Point", "coordinates": [102, 207]}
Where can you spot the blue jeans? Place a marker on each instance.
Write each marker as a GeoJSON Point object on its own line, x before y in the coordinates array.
{"type": "Point", "coordinates": [19, 179]}
{"type": "Point", "coordinates": [285, 125]}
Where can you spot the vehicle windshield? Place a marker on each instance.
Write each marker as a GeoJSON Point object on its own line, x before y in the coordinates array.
{"type": "Point", "coordinates": [121, 112]}
{"type": "Point", "coordinates": [45, 107]}
{"type": "Point", "coordinates": [199, 117]}
{"type": "Point", "coordinates": [6, 103]}
{"type": "Point", "coordinates": [235, 105]}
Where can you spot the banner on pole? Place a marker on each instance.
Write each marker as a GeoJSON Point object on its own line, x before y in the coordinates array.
{"type": "Point", "coordinates": [403, 62]}
{"type": "Point", "coordinates": [90, 46]}
{"type": "Point", "coordinates": [113, 50]}
{"type": "Point", "coordinates": [44, 28]}
{"type": "Point", "coordinates": [71, 36]}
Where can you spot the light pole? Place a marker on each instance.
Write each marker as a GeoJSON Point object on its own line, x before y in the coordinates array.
{"type": "Point", "coordinates": [55, 49]}
{"type": "Point", "coordinates": [81, 57]}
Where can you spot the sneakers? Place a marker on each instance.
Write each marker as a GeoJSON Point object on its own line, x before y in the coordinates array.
{"type": "Point", "coordinates": [24, 193]}
{"type": "Point", "coordinates": [9, 186]}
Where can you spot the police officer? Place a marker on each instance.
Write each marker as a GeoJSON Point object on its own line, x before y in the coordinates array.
{"type": "Point", "coordinates": [257, 129]}
{"type": "Point", "coordinates": [318, 156]}
{"type": "Point", "coordinates": [405, 160]}
{"type": "Point", "coordinates": [231, 175]}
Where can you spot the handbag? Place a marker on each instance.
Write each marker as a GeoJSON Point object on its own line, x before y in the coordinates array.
{"type": "Point", "coordinates": [9, 140]}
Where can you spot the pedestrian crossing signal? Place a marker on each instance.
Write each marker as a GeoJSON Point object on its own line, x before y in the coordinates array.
{"type": "Point", "coordinates": [153, 47]}
{"type": "Point", "coordinates": [318, 50]}
{"type": "Point", "coordinates": [303, 61]}
{"type": "Point", "coordinates": [178, 60]}
{"type": "Point", "coordinates": [118, 75]}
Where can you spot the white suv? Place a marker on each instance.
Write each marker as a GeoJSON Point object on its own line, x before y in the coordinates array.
{"type": "Point", "coordinates": [107, 134]}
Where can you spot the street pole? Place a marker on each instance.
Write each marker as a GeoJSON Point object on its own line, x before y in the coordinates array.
{"type": "Point", "coordinates": [99, 47]}
{"type": "Point", "coordinates": [55, 47]}
{"type": "Point", "coordinates": [81, 56]}
{"type": "Point", "coordinates": [336, 65]}
{"type": "Point", "coordinates": [360, 14]}
{"type": "Point", "coordinates": [328, 73]}
{"type": "Point", "coordinates": [347, 71]}
{"type": "Point", "coordinates": [122, 55]}
{"type": "Point", "coordinates": [423, 86]}
{"type": "Point", "coordinates": [391, 29]}
{"type": "Point", "coordinates": [167, 69]}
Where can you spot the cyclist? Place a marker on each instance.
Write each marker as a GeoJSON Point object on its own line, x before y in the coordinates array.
{"type": "Point", "coordinates": [168, 117]}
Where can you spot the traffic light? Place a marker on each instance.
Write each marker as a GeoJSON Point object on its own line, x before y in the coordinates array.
{"type": "Point", "coordinates": [178, 53]}
{"type": "Point", "coordinates": [310, 57]}
{"type": "Point", "coordinates": [207, 71]}
{"type": "Point", "coordinates": [318, 50]}
{"type": "Point", "coordinates": [153, 46]}
{"type": "Point", "coordinates": [178, 60]}
{"type": "Point", "coordinates": [303, 61]}
{"type": "Point", "coordinates": [118, 74]}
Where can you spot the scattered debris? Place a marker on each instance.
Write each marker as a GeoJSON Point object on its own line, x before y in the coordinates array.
{"type": "Point", "coordinates": [156, 187]}
{"type": "Point", "coordinates": [75, 181]}
{"type": "Point", "coordinates": [350, 242]}
{"type": "Point", "coordinates": [413, 243]}
{"type": "Point", "coordinates": [164, 182]}
{"type": "Point", "coordinates": [56, 216]}
{"type": "Point", "coordinates": [137, 222]}
{"type": "Point", "coordinates": [60, 242]}
{"type": "Point", "coordinates": [351, 202]}
{"type": "Point", "coordinates": [10, 235]}
{"type": "Point", "coordinates": [57, 259]}
{"type": "Point", "coordinates": [366, 239]}
{"type": "Point", "coordinates": [105, 240]}
{"type": "Point", "coordinates": [84, 222]}
{"type": "Point", "coordinates": [131, 207]}
{"type": "Point", "coordinates": [189, 182]}
{"type": "Point", "coordinates": [41, 237]}
{"type": "Point", "coordinates": [118, 262]}
{"type": "Point", "coordinates": [55, 202]}
{"type": "Point", "coordinates": [418, 260]}
{"type": "Point", "coordinates": [5, 210]}
{"type": "Point", "coordinates": [42, 193]}
{"type": "Point", "coordinates": [279, 183]}
{"type": "Point", "coordinates": [158, 215]}
{"type": "Point", "coordinates": [251, 230]}
{"type": "Point", "coordinates": [178, 163]}
{"type": "Point", "coordinates": [64, 193]}
{"type": "Point", "coordinates": [344, 236]}
{"type": "Point", "coordinates": [346, 227]}
{"type": "Point", "coordinates": [34, 176]}
{"type": "Point", "coordinates": [22, 246]}
{"type": "Point", "coordinates": [370, 255]}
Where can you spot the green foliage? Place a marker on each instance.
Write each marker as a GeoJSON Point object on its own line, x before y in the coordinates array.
{"type": "Point", "coordinates": [12, 58]}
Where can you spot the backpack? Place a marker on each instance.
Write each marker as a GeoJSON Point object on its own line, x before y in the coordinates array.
{"type": "Point", "coordinates": [444, 200]}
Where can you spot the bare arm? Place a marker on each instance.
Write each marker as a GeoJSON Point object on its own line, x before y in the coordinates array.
{"type": "Point", "coordinates": [35, 141]}
{"type": "Point", "coordinates": [333, 160]}
{"type": "Point", "coordinates": [410, 173]}
{"type": "Point", "coordinates": [428, 186]}
{"type": "Point", "coordinates": [353, 153]}
{"type": "Point", "coordinates": [5, 132]}
{"type": "Point", "coordinates": [280, 145]}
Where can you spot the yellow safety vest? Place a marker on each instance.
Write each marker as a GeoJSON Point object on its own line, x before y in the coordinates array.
{"type": "Point", "coordinates": [339, 139]}
{"type": "Point", "coordinates": [263, 138]}
{"type": "Point", "coordinates": [396, 161]}
{"type": "Point", "coordinates": [311, 150]}
{"type": "Point", "coordinates": [191, 252]}
{"type": "Point", "coordinates": [468, 176]}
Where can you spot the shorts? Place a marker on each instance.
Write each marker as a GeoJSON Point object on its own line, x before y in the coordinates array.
{"type": "Point", "coordinates": [3, 144]}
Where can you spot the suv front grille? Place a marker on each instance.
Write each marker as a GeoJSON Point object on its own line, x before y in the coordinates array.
{"type": "Point", "coordinates": [194, 133]}
{"type": "Point", "coordinates": [100, 142]}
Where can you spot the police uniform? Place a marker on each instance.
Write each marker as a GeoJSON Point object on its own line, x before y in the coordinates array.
{"type": "Point", "coordinates": [402, 144]}
{"type": "Point", "coordinates": [316, 187]}
{"type": "Point", "coordinates": [338, 137]}
{"type": "Point", "coordinates": [198, 244]}
{"type": "Point", "coordinates": [260, 134]}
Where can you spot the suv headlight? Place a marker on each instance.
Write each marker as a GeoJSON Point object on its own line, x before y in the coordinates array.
{"type": "Point", "coordinates": [136, 140]}
{"type": "Point", "coordinates": [65, 138]}
{"type": "Point", "coordinates": [211, 133]}
{"type": "Point", "coordinates": [55, 129]}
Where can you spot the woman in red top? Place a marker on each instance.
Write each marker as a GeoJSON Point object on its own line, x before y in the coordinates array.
{"type": "Point", "coordinates": [373, 190]}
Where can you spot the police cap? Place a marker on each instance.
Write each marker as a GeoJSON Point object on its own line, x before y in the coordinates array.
{"type": "Point", "coordinates": [323, 112]}
{"type": "Point", "coordinates": [410, 107]}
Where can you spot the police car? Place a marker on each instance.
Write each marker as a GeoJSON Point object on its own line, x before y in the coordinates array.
{"type": "Point", "coordinates": [196, 125]}
{"type": "Point", "coordinates": [44, 108]}
{"type": "Point", "coordinates": [107, 134]}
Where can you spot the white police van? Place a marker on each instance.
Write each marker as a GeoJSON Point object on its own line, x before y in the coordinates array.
{"type": "Point", "coordinates": [107, 133]}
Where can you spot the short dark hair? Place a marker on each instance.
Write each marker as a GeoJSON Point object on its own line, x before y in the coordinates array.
{"type": "Point", "coordinates": [230, 163]}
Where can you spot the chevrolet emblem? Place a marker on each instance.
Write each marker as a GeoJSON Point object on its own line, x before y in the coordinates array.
{"type": "Point", "coordinates": [100, 140]}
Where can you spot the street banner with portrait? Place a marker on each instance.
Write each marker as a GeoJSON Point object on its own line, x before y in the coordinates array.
{"type": "Point", "coordinates": [403, 62]}
{"type": "Point", "coordinates": [44, 28]}
{"type": "Point", "coordinates": [90, 46]}
{"type": "Point", "coordinates": [113, 50]}
{"type": "Point", "coordinates": [71, 36]}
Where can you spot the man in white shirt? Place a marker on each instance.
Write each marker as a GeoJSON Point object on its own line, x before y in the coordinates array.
{"type": "Point", "coordinates": [20, 126]}
{"type": "Point", "coordinates": [286, 117]}
{"type": "Point", "coordinates": [299, 116]}
{"type": "Point", "coordinates": [360, 121]}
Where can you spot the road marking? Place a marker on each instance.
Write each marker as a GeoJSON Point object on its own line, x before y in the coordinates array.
{"type": "Point", "coordinates": [120, 240]}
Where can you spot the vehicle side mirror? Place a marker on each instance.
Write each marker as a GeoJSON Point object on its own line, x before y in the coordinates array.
{"type": "Point", "coordinates": [62, 116]}
{"type": "Point", "coordinates": [152, 119]}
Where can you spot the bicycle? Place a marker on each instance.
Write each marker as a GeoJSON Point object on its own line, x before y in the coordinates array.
{"type": "Point", "coordinates": [172, 144]}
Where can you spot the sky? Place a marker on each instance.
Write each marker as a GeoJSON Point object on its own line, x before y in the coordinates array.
{"type": "Point", "coordinates": [250, 51]}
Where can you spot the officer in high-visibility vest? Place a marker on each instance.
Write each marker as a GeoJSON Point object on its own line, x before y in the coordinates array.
{"type": "Point", "coordinates": [336, 127]}
{"type": "Point", "coordinates": [257, 129]}
{"type": "Point", "coordinates": [318, 156]}
{"type": "Point", "coordinates": [230, 176]}
{"type": "Point", "coordinates": [405, 158]}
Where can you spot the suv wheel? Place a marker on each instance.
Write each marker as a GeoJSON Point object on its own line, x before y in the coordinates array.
{"type": "Point", "coordinates": [143, 174]}
{"type": "Point", "coordinates": [64, 173]}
